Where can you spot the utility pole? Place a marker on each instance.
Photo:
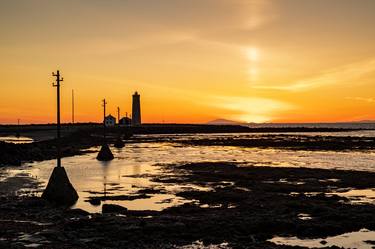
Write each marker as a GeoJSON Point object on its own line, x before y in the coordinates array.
{"type": "Point", "coordinates": [57, 85]}
{"type": "Point", "coordinates": [59, 190]}
{"type": "Point", "coordinates": [18, 128]}
{"type": "Point", "coordinates": [104, 105]}
{"type": "Point", "coordinates": [72, 106]}
{"type": "Point", "coordinates": [105, 153]}
{"type": "Point", "coordinates": [118, 115]}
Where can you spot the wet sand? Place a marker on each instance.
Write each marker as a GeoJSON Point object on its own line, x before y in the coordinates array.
{"type": "Point", "coordinates": [245, 207]}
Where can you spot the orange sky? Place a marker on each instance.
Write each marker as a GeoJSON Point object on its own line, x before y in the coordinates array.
{"type": "Point", "coordinates": [191, 61]}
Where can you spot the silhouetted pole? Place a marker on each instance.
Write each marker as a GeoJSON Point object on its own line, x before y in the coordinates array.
{"type": "Point", "coordinates": [104, 105]}
{"type": "Point", "coordinates": [18, 128]}
{"type": "Point", "coordinates": [118, 115]}
{"type": "Point", "coordinates": [105, 153]}
{"type": "Point", "coordinates": [59, 190]}
{"type": "Point", "coordinates": [57, 85]}
{"type": "Point", "coordinates": [72, 106]}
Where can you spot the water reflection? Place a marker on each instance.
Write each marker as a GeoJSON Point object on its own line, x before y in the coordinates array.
{"type": "Point", "coordinates": [361, 240]}
{"type": "Point", "coordinates": [16, 140]}
{"type": "Point", "coordinates": [357, 196]}
{"type": "Point", "coordinates": [136, 164]}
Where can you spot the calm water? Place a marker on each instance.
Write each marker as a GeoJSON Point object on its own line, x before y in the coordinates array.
{"type": "Point", "coordinates": [16, 140]}
{"type": "Point", "coordinates": [135, 165]}
{"type": "Point", "coordinates": [347, 240]}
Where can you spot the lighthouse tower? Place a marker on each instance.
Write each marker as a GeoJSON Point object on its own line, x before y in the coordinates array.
{"type": "Point", "coordinates": [136, 109]}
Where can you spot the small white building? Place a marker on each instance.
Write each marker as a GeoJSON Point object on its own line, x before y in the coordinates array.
{"type": "Point", "coordinates": [109, 121]}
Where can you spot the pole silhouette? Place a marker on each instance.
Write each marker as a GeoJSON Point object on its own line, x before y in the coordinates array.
{"type": "Point", "coordinates": [105, 153]}
{"type": "Point", "coordinates": [59, 190]}
{"type": "Point", "coordinates": [104, 106]}
{"type": "Point", "coordinates": [118, 115]}
{"type": "Point", "coordinates": [72, 106]}
{"type": "Point", "coordinates": [57, 85]}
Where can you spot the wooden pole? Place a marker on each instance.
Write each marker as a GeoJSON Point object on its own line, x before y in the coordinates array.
{"type": "Point", "coordinates": [118, 115]}
{"type": "Point", "coordinates": [72, 106]}
{"type": "Point", "coordinates": [104, 105]}
{"type": "Point", "coordinates": [57, 85]}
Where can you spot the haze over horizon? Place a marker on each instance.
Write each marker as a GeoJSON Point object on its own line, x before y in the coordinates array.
{"type": "Point", "coordinates": [191, 61]}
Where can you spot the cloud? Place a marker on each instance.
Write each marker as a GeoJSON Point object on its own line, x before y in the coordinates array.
{"type": "Point", "coordinates": [339, 75]}
{"type": "Point", "coordinates": [251, 109]}
{"type": "Point", "coordinates": [368, 100]}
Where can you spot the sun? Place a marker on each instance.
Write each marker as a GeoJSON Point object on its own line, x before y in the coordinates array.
{"type": "Point", "coordinates": [252, 54]}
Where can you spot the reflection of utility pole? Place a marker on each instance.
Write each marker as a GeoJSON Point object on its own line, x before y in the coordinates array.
{"type": "Point", "coordinates": [105, 187]}
{"type": "Point", "coordinates": [104, 104]}
{"type": "Point", "coordinates": [57, 85]}
{"type": "Point", "coordinates": [72, 106]}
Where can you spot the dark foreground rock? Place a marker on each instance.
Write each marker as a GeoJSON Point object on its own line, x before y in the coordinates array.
{"type": "Point", "coordinates": [112, 208]}
{"type": "Point", "coordinates": [72, 144]}
{"type": "Point", "coordinates": [245, 208]}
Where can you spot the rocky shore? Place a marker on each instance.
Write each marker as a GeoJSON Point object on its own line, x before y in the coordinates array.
{"type": "Point", "coordinates": [72, 144]}
{"type": "Point", "coordinates": [291, 142]}
{"type": "Point", "coordinates": [77, 141]}
{"type": "Point", "coordinates": [245, 207]}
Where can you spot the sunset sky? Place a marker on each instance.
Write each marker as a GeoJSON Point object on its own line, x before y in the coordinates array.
{"type": "Point", "coordinates": [192, 61]}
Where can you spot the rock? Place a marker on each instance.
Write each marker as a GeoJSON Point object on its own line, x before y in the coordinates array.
{"type": "Point", "coordinates": [59, 189]}
{"type": "Point", "coordinates": [112, 208]}
{"type": "Point", "coordinates": [119, 143]}
{"type": "Point", "coordinates": [323, 242]}
{"type": "Point", "coordinates": [77, 212]}
{"type": "Point", "coordinates": [105, 153]}
{"type": "Point", "coordinates": [94, 201]}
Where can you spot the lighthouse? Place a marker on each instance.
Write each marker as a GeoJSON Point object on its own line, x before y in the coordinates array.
{"type": "Point", "coordinates": [136, 109]}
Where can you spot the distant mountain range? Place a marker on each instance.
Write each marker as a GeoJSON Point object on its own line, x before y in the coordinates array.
{"type": "Point", "coordinates": [363, 121]}
{"type": "Point", "coordinates": [222, 121]}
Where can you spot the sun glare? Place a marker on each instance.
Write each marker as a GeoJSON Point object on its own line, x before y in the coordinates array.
{"type": "Point", "coordinates": [252, 54]}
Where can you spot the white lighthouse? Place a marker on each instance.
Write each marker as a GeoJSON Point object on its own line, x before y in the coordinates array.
{"type": "Point", "coordinates": [136, 109]}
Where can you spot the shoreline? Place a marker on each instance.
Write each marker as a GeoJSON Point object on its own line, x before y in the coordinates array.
{"type": "Point", "coordinates": [76, 142]}
{"type": "Point", "coordinates": [246, 207]}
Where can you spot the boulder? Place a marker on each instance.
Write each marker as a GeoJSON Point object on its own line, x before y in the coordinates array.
{"type": "Point", "coordinates": [112, 208]}
{"type": "Point", "coordinates": [119, 143]}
